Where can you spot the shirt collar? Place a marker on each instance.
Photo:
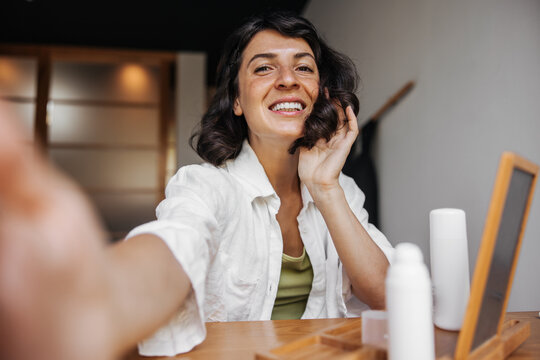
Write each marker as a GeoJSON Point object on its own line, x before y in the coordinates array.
{"type": "Point", "coordinates": [249, 171]}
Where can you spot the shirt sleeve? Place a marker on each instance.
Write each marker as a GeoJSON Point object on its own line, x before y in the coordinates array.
{"type": "Point", "coordinates": [355, 198]}
{"type": "Point", "coordinates": [186, 222]}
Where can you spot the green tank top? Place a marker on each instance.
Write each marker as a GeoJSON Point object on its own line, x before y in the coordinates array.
{"type": "Point", "coordinates": [294, 287]}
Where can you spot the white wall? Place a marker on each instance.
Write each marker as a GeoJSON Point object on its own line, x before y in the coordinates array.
{"type": "Point", "coordinates": [190, 102]}
{"type": "Point", "coordinates": [477, 69]}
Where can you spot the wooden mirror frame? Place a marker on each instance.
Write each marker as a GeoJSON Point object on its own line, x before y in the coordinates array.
{"type": "Point", "coordinates": [508, 163]}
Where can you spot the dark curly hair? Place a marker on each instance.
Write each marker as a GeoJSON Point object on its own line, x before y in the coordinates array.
{"type": "Point", "coordinates": [221, 133]}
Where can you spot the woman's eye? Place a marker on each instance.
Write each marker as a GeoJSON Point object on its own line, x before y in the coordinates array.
{"type": "Point", "coordinates": [262, 68]}
{"type": "Point", "coordinates": [305, 68]}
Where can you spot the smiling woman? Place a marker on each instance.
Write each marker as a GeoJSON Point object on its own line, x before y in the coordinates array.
{"type": "Point", "coordinates": [280, 83]}
{"type": "Point", "coordinates": [222, 132]}
{"type": "Point", "coordinates": [279, 218]}
{"type": "Point", "coordinates": [267, 228]}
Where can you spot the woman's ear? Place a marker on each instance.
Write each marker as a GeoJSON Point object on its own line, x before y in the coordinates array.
{"type": "Point", "coordinates": [237, 108]}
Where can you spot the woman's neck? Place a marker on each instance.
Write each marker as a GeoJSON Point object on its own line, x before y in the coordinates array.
{"type": "Point", "coordinates": [280, 167]}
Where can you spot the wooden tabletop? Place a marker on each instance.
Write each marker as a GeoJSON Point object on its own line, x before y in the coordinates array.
{"type": "Point", "coordinates": [241, 340]}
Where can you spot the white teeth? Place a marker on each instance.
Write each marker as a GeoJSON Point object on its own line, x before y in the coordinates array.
{"type": "Point", "coordinates": [287, 106]}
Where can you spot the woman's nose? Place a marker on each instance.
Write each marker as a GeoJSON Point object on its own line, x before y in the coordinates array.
{"type": "Point", "coordinates": [286, 79]}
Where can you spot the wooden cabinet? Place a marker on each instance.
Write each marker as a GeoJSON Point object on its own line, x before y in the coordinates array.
{"type": "Point", "coordinates": [105, 117]}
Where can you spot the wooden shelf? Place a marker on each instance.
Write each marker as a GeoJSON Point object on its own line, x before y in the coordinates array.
{"type": "Point", "coordinates": [98, 146]}
{"type": "Point", "coordinates": [18, 99]}
{"type": "Point", "coordinates": [106, 103]}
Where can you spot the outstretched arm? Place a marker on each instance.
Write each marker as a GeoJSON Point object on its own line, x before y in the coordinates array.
{"type": "Point", "coordinates": [319, 169]}
{"type": "Point", "coordinates": [65, 294]}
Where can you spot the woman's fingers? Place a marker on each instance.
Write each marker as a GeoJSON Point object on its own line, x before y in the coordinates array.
{"type": "Point", "coordinates": [352, 123]}
{"type": "Point", "coordinates": [348, 127]}
{"type": "Point", "coordinates": [341, 114]}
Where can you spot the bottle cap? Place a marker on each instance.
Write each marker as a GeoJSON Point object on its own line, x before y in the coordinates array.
{"type": "Point", "coordinates": [447, 224]}
{"type": "Point", "coordinates": [408, 253]}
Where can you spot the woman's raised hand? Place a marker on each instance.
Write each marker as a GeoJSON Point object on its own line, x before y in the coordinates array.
{"type": "Point", "coordinates": [319, 167]}
{"type": "Point", "coordinates": [51, 251]}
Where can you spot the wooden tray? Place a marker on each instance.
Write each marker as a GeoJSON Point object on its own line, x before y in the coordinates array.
{"type": "Point", "coordinates": [342, 342]}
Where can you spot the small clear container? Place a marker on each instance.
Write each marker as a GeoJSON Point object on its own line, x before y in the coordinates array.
{"type": "Point", "coordinates": [375, 328]}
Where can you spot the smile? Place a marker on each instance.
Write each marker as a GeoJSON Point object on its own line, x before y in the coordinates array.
{"type": "Point", "coordinates": [290, 106]}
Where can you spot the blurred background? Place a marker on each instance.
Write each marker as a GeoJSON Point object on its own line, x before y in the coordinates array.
{"type": "Point", "coordinates": [112, 90]}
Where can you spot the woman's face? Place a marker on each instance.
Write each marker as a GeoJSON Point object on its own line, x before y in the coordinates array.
{"type": "Point", "coordinates": [278, 83]}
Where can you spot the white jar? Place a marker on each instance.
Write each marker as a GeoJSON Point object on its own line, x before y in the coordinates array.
{"type": "Point", "coordinates": [409, 305]}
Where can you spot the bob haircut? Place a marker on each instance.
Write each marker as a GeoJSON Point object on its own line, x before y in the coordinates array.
{"type": "Point", "coordinates": [221, 133]}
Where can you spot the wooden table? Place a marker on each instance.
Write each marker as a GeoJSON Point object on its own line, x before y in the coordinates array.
{"type": "Point", "coordinates": [241, 340]}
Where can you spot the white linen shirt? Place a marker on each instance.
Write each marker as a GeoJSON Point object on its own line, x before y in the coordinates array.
{"type": "Point", "coordinates": [220, 223]}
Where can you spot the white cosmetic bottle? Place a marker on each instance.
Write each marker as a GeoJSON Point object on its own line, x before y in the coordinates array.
{"type": "Point", "coordinates": [409, 305]}
{"type": "Point", "coordinates": [449, 266]}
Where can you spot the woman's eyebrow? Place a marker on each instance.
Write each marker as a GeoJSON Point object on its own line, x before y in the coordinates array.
{"type": "Point", "coordinates": [262, 55]}
{"type": "Point", "coordinates": [272, 56]}
{"type": "Point", "coordinates": [303, 54]}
